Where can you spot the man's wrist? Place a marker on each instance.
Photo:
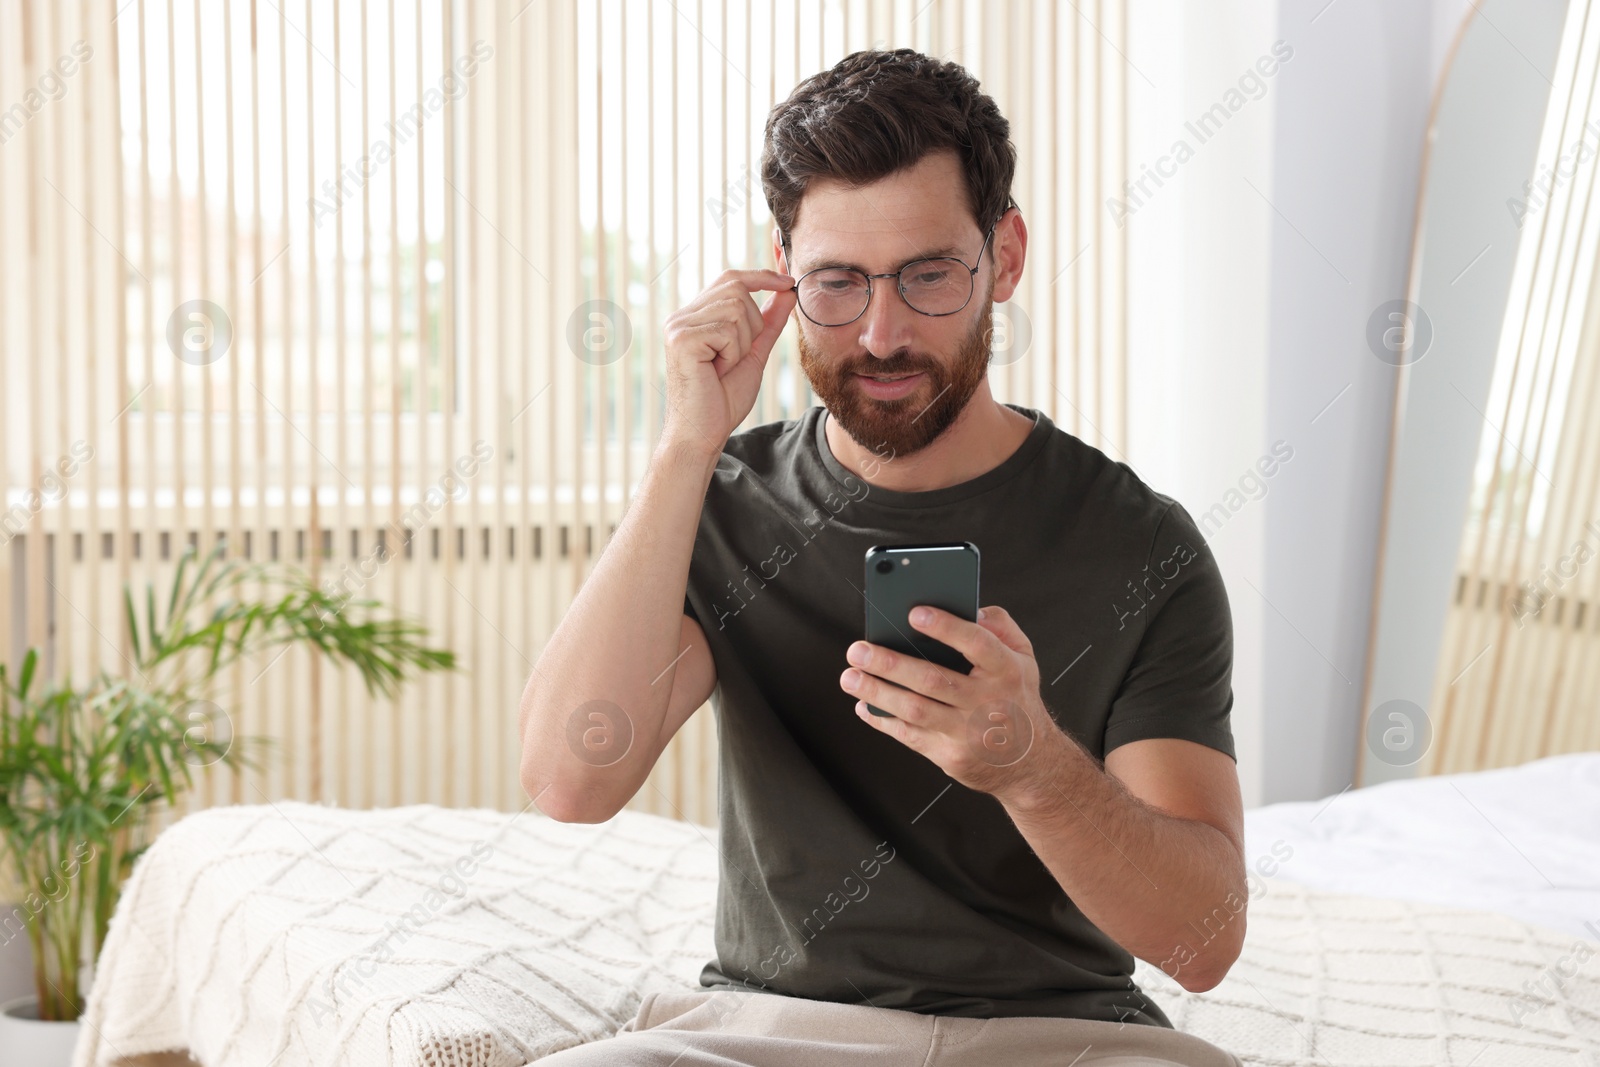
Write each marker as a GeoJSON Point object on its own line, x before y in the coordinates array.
{"type": "Point", "coordinates": [683, 452]}
{"type": "Point", "coordinates": [1045, 773]}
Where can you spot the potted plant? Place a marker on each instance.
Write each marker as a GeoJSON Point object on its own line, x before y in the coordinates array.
{"type": "Point", "coordinates": [82, 767]}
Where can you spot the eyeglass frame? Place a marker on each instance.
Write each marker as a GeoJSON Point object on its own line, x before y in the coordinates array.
{"type": "Point", "coordinates": [900, 285]}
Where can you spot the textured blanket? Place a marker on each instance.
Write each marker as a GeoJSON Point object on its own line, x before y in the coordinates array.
{"type": "Point", "coordinates": [290, 933]}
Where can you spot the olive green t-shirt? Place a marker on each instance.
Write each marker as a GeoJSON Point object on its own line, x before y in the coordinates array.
{"type": "Point", "coordinates": [852, 868]}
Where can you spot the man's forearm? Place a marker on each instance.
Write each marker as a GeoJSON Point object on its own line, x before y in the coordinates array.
{"type": "Point", "coordinates": [1151, 881]}
{"type": "Point", "coordinates": [617, 642]}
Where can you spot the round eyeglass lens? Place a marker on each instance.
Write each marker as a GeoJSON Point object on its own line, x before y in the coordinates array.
{"type": "Point", "coordinates": [936, 286]}
{"type": "Point", "coordinates": [834, 296]}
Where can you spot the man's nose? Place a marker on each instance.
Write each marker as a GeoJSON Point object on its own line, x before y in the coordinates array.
{"type": "Point", "coordinates": [887, 324]}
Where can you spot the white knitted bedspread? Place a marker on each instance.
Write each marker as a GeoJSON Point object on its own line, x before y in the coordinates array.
{"type": "Point", "coordinates": [291, 933]}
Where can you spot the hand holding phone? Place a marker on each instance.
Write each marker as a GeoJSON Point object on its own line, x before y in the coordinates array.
{"type": "Point", "coordinates": [899, 577]}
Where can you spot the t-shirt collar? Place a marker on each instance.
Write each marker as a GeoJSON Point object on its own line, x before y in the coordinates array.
{"type": "Point", "coordinates": [852, 483]}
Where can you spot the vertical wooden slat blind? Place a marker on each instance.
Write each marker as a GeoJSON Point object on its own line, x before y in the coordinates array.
{"type": "Point", "coordinates": [392, 318]}
{"type": "Point", "coordinates": [1518, 676]}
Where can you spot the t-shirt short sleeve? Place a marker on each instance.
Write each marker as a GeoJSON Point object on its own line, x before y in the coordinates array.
{"type": "Point", "coordinates": [1180, 681]}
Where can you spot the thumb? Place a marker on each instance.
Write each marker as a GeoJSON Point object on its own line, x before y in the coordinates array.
{"type": "Point", "coordinates": [776, 316]}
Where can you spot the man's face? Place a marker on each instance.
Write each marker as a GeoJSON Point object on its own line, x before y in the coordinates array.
{"type": "Point", "coordinates": [917, 213]}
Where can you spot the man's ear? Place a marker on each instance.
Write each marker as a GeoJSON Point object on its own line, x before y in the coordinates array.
{"type": "Point", "coordinates": [777, 251]}
{"type": "Point", "coordinates": [1009, 250]}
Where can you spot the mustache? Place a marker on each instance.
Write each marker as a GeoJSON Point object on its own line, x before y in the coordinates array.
{"type": "Point", "coordinates": [886, 370]}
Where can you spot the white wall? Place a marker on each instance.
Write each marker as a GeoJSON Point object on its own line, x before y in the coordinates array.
{"type": "Point", "coordinates": [1199, 289]}
{"type": "Point", "coordinates": [1347, 152]}
{"type": "Point", "coordinates": [1255, 268]}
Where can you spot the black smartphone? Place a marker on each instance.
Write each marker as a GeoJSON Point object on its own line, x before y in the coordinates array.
{"type": "Point", "coordinates": [899, 577]}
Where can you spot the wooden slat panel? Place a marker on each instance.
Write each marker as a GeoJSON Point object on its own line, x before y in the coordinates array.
{"type": "Point", "coordinates": [1516, 678]}
{"type": "Point", "coordinates": [357, 378]}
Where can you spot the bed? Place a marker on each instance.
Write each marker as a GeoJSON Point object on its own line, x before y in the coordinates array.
{"type": "Point", "coordinates": [1451, 920]}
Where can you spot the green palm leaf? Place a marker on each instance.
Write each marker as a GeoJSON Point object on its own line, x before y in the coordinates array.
{"type": "Point", "coordinates": [82, 768]}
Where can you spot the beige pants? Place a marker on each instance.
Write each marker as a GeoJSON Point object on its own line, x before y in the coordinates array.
{"type": "Point", "coordinates": [735, 1028]}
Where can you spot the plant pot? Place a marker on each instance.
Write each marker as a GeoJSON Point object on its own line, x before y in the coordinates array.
{"type": "Point", "coordinates": [27, 1042]}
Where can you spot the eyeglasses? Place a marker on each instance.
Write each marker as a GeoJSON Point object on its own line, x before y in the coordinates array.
{"type": "Point", "coordinates": [838, 296]}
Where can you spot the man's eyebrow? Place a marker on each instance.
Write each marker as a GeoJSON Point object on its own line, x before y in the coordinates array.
{"type": "Point", "coordinates": [932, 253]}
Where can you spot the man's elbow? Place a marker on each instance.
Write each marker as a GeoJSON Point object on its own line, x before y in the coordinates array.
{"type": "Point", "coordinates": [1197, 981]}
{"type": "Point", "coordinates": [1208, 969]}
{"type": "Point", "coordinates": [538, 781]}
{"type": "Point", "coordinates": [563, 805]}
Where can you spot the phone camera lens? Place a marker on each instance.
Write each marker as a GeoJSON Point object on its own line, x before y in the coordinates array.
{"type": "Point", "coordinates": [885, 566]}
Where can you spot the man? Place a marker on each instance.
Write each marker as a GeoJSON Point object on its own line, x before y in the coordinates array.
{"type": "Point", "coordinates": [966, 882]}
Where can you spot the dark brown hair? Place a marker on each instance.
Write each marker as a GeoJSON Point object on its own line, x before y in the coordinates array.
{"type": "Point", "coordinates": [877, 112]}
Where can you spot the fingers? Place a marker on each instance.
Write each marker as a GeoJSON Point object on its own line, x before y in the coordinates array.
{"type": "Point", "coordinates": [998, 621]}
{"type": "Point", "coordinates": [754, 323]}
{"type": "Point", "coordinates": [760, 280]}
{"type": "Point", "coordinates": [736, 311]}
{"type": "Point", "coordinates": [774, 317]}
{"type": "Point", "coordinates": [735, 289]}
{"type": "Point", "coordinates": [876, 667]}
{"type": "Point", "coordinates": [982, 646]}
{"type": "Point", "coordinates": [907, 705]}
{"type": "Point", "coordinates": [758, 327]}
{"type": "Point", "coordinates": [724, 323]}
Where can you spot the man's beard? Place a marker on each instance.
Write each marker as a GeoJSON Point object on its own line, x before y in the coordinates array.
{"type": "Point", "coordinates": [906, 424]}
